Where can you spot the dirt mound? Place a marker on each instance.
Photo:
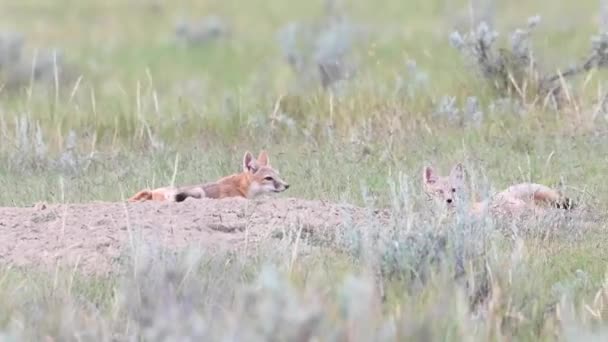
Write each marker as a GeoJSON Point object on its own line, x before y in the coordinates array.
{"type": "Point", "coordinates": [93, 236]}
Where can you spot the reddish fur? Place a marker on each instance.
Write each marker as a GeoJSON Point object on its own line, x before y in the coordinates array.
{"type": "Point", "coordinates": [231, 186]}
{"type": "Point", "coordinates": [149, 195]}
{"type": "Point", "coordinates": [236, 185]}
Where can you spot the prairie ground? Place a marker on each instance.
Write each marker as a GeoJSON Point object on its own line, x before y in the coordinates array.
{"type": "Point", "coordinates": [351, 99]}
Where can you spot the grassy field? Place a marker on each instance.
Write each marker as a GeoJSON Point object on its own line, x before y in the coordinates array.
{"type": "Point", "coordinates": [136, 105]}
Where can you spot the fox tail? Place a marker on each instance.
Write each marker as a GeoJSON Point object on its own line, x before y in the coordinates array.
{"type": "Point", "coordinates": [144, 195]}
{"type": "Point", "coordinates": [540, 194]}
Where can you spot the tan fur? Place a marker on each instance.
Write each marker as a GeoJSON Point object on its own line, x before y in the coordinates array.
{"type": "Point", "coordinates": [514, 200]}
{"type": "Point", "coordinates": [257, 178]}
{"type": "Point", "coordinates": [159, 194]}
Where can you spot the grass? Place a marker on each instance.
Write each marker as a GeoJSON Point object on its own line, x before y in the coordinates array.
{"type": "Point", "coordinates": [144, 101]}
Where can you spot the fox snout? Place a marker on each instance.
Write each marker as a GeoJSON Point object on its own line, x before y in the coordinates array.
{"type": "Point", "coordinates": [281, 186]}
{"type": "Point", "coordinates": [450, 200]}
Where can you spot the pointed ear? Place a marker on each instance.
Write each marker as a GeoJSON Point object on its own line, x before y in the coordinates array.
{"type": "Point", "coordinates": [429, 176]}
{"type": "Point", "coordinates": [263, 159]}
{"type": "Point", "coordinates": [457, 174]}
{"type": "Point", "coordinates": [249, 164]}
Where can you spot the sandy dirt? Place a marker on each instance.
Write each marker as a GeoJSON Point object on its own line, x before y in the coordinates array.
{"type": "Point", "coordinates": [92, 237]}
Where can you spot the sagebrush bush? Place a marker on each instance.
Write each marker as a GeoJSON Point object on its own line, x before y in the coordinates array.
{"type": "Point", "coordinates": [320, 54]}
{"type": "Point", "coordinates": [514, 70]}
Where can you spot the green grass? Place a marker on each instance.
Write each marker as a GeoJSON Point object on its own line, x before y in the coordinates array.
{"type": "Point", "coordinates": [348, 148]}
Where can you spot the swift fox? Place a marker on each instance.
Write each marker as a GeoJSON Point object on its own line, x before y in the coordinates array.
{"type": "Point", "coordinates": [257, 178]}
{"type": "Point", "coordinates": [514, 200]}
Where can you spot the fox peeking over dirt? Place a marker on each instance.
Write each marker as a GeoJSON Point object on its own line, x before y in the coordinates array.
{"type": "Point", "coordinates": [514, 200]}
{"type": "Point", "coordinates": [257, 178]}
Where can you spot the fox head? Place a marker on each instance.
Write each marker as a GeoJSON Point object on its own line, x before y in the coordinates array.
{"type": "Point", "coordinates": [444, 189]}
{"type": "Point", "coordinates": [265, 179]}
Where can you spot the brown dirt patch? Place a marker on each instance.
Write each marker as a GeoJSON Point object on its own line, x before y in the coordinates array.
{"type": "Point", "coordinates": [93, 236]}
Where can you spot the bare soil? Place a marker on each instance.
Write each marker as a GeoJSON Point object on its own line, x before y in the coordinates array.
{"type": "Point", "coordinates": [92, 237]}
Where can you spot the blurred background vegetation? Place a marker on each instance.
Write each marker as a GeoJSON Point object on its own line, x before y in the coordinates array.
{"type": "Point", "coordinates": [352, 99]}
{"type": "Point", "coordinates": [131, 84]}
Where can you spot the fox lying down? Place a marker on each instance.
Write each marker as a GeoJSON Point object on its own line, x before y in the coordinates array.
{"type": "Point", "coordinates": [257, 178]}
{"type": "Point", "coordinates": [514, 200]}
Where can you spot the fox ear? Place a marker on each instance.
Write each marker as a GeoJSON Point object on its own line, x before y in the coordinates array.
{"type": "Point", "coordinates": [457, 173]}
{"type": "Point", "coordinates": [263, 159]}
{"type": "Point", "coordinates": [429, 176]}
{"type": "Point", "coordinates": [249, 164]}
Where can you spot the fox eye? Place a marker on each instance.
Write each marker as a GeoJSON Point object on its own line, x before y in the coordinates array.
{"type": "Point", "coordinates": [440, 191]}
{"type": "Point", "coordinates": [453, 189]}
{"type": "Point", "coordinates": [268, 178]}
